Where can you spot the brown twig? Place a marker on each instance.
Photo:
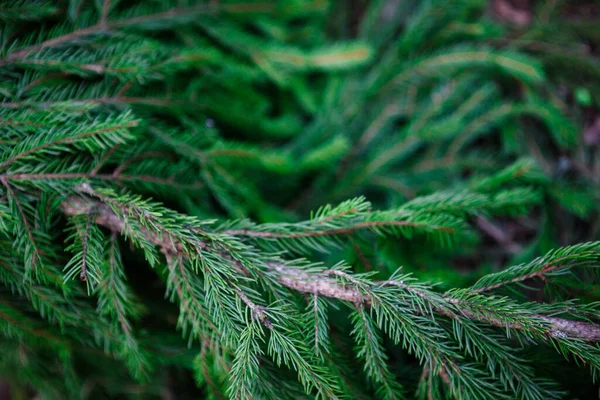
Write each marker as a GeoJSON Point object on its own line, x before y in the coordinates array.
{"type": "Point", "coordinates": [497, 234]}
{"type": "Point", "coordinates": [42, 79]}
{"type": "Point", "coordinates": [103, 160]}
{"type": "Point", "coordinates": [104, 16]}
{"type": "Point", "coordinates": [149, 154]}
{"type": "Point", "coordinates": [258, 312]}
{"type": "Point", "coordinates": [359, 253]}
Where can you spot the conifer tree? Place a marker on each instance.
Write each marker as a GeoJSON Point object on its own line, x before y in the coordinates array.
{"type": "Point", "coordinates": [184, 213]}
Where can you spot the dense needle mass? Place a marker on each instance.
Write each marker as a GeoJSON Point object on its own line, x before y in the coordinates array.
{"type": "Point", "coordinates": [298, 199]}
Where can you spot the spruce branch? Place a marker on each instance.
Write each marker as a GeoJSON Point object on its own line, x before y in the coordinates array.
{"type": "Point", "coordinates": [64, 137]}
{"type": "Point", "coordinates": [371, 352]}
{"type": "Point", "coordinates": [21, 323]}
{"type": "Point", "coordinates": [331, 232]}
{"type": "Point", "coordinates": [116, 301]}
{"type": "Point", "coordinates": [55, 143]}
{"type": "Point", "coordinates": [101, 177]}
{"type": "Point", "coordinates": [103, 26]}
{"type": "Point", "coordinates": [32, 247]}
{"type": "Point", "coordinates": [356, 292]}
{"type": "Point", "coordinates": [186, 294]}
{"type": "Point", "coordinates": [543, 268]}
{"type": "Point", "coordinates": [95, 102]}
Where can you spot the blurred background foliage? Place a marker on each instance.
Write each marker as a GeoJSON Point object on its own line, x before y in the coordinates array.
{"type": "Point", "coordinates": [281, 107]}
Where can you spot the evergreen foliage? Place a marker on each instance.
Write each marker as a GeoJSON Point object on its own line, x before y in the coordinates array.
{"type": "Point", "coordinates": [183, 201]}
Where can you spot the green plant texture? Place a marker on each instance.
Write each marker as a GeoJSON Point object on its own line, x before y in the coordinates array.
{"type": "Point", "coordinates": [298, 199]}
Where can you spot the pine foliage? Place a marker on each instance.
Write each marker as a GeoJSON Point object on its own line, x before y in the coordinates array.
{"type": "Point", "coordinates": [183, 201]}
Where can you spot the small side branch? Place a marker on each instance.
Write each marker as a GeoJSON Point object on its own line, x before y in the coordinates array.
{"type": "Point", "coordinates": [26, 225]}
{"type": "Point", "coordinates": [328, 232]}
{"type": "Point", "coordinates": [84, 245]}
{"type": "Point", "coordinates": [103, 177]}
{"type": "Point", "coordinates": [551, 266]}
{"type": "Point", "coordinates": [104, 16]}
{"type": "Point", "coordinates": [258, 312]}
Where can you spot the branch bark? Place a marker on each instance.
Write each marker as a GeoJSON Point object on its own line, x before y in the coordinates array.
{"type": "Point", "coordinates": [323, 283]}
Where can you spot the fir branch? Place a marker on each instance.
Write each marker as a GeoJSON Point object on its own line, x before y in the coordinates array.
{"type": "Point", "coordinates": [332, 232]}
{"type": "Point", "coordinates": [35, 258]}
{"type": "Point", "coordinates": [371, 352]}
{"type": "Point", "coordinates": [564, 259]}
{"type": "Point", "coordinates": [189, 301]}
{"type": "Point", "coordinates": [41, 144]}
{"type": "Point", "coordinates": [15, 319]}
{"type": "Point", "coordinates": [27, 10]}
{"type": "Point", "coordinates": [106, 25]}
{"type": "Point", "coordinates": [72, 105]}
{"type": "Point", "coordinates": [102, 26]}
{"type": "Point", "coordinates": [325, 228]}
{"type": "Point", "coordinates": [102, 177]}
{"type": "Point", "coordinates": [322, 284]}
{"type": "Point", "coordinates": [246, 363]}
{"type": "Point", "coordinates": [115, 300]}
